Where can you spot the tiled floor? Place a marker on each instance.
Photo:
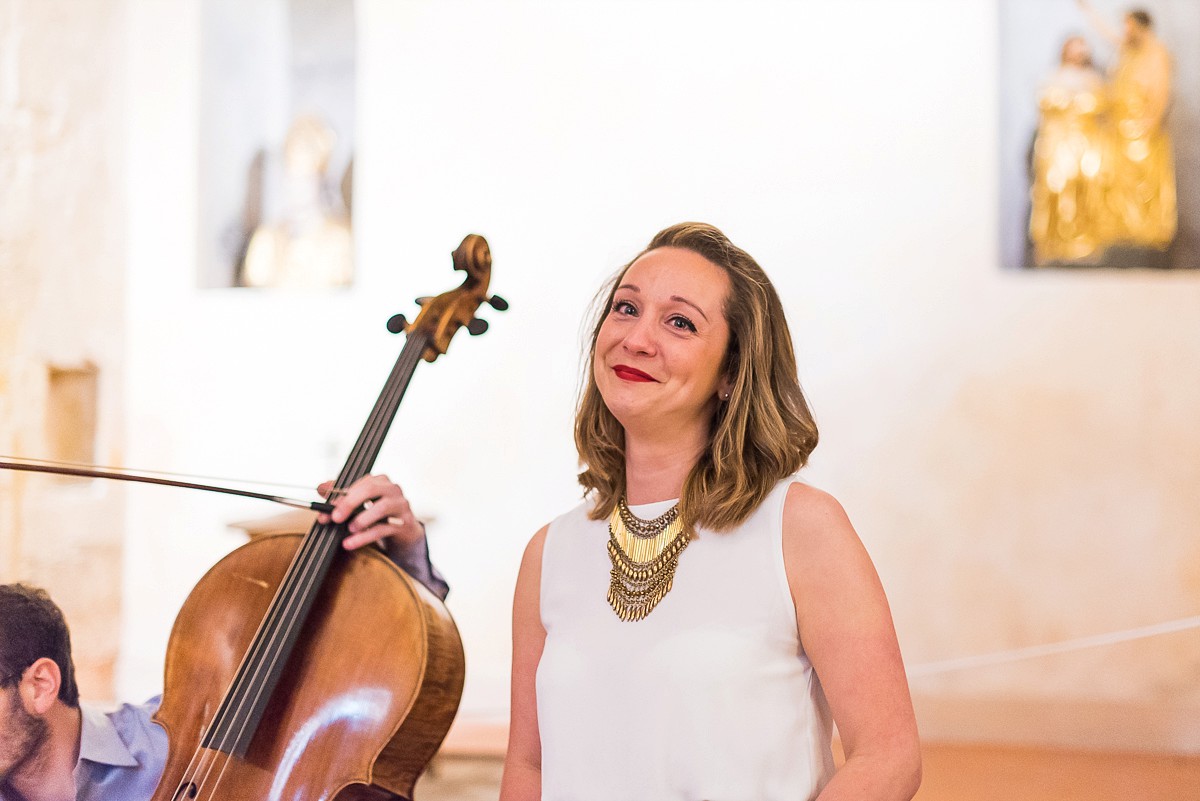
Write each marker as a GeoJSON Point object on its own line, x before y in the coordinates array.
{"type": "Point", "coordinates": [460, 779]}
{"type": "Point", "coordinates": [952, 773]}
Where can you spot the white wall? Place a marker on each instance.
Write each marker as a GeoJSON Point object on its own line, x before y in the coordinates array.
{"type": "Point", "coordinates": [1017, 450]}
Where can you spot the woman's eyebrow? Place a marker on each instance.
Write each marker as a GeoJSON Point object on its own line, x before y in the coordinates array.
{"type": "Point", "coordinates": [679, 299]}
{"type": "Point", "coordinates": [674, 299]}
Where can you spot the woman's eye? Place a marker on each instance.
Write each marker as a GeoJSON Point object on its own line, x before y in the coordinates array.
{"type": "Point", "coordinates": [682, 323]}
{"type": "Point", "coordinates": [623, 307]}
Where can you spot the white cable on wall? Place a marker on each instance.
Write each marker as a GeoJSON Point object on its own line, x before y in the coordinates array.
{"type": "Point", "coordinates": [1048, 649]}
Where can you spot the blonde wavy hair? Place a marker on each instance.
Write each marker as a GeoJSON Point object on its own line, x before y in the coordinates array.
{"type": "Point", "coordinates": [763, 433]}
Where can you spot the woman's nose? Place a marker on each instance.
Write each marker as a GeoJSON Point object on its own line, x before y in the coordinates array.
{"type": "Point", "coordinates": [639, 337]}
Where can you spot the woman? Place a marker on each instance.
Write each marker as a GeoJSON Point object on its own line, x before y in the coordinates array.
{"type": "Point", "coordinates": [701, 648]}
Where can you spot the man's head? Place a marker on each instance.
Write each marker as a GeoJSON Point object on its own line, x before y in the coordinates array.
{"type": "Point", "coordinates": [32, 627]}
{"type": "Point", "coordinates": [36, 673]}
{"type": "Point", "coordinates": [1138, 26]}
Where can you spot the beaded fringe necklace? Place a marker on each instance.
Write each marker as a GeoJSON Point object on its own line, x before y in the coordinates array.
{"type": "Point", "coordinates": [644, 555]}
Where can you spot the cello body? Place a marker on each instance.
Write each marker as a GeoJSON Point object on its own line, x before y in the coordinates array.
{"type": "Point", "coordinates": [364, 701]}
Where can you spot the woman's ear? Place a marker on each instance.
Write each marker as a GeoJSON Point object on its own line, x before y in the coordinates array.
{"type": "Point", "coordinates": [39, 686]}
{"type": "Point", "coordinates": [724, 388]}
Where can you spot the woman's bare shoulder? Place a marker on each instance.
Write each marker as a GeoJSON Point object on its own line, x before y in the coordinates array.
{"type": "Point", "coordinates": [818, 534]}
{"type": "Point", "coordinates": [808, 509]}
{"type": "Point", "coordinates": [533, 549]}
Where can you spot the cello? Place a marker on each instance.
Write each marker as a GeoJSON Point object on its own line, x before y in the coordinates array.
{"type": "Point", "coordinates": [298, 670]}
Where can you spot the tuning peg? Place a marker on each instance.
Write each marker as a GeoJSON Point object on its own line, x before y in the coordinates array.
{"type": "Point", "coordinates": [477, 327]}
{"type": "Point", "coordinates": [498, 303]}
{"type": "Point", "coordinates": [397, 323]}
{"type": "Point", "coordinates": [421, 301]}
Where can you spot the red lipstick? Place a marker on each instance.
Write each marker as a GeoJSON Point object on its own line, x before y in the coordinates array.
{"type": "Point", "coordinates": [626, 373]}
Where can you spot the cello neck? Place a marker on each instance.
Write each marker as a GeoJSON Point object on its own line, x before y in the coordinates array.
{"type": "Point", "coordinates": [370, 440]}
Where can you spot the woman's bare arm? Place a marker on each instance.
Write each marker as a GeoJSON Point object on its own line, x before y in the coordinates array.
{"type": "Point", "coordinates": [522, 779]}
{"type": "Point", "coordinates": [846, 630]}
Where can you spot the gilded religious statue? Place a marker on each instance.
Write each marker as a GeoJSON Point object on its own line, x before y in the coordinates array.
{"type": "Point", "coordinates": [1103, 170]}
{"type": "Point", "coordinates": [310, 246]}
{"type": "Point", "coordinates": [1072, 162]}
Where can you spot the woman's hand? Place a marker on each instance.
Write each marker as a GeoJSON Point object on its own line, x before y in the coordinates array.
{"type": "Point", "coordinates": [385, 512]}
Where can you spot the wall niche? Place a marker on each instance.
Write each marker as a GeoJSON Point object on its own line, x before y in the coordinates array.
{"type": "Point", "coordinates": [72, 401]}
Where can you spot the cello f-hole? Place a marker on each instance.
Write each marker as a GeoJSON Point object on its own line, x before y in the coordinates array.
{"type": "Point", "coordinates": [186, 790]}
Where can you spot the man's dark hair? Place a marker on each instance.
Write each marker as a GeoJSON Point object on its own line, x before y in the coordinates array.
{"type": "Point", "coordinates": [1142, 17]}
{"type": "Point", "coordinates": [32, 627]}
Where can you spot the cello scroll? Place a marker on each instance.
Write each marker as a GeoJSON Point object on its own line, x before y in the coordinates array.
{"type": "Point", "coordinates": [442, 316]}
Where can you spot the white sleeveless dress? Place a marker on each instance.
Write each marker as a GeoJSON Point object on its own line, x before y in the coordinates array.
{"type": "Point", "coordinates": [709, 698]}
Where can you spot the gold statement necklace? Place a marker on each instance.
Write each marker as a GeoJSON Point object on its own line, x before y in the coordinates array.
{"type": "Point", "coordinates": [644, 555]}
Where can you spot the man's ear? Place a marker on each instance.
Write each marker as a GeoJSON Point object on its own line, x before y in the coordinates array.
{"type": "Point", "coordinates": [39, 686]}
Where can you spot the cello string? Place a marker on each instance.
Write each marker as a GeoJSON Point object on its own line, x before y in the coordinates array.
{"type": "Point", "coordinates": [207, 760]}
{"type": "Point", "coordinates": [287, 611]}
{"type": "Point", "coordinates": [374, 431]}
{"type": "Point", "coordinates": [201, 761]}
{"type": "Point", "coordinates": [230, 715]}
{"type": "Point", "coordinates": [230, 719]}
{"type": "Point", "coordinates": [282, 618]}
{"type": "Point", "coordinates": [204, 785]}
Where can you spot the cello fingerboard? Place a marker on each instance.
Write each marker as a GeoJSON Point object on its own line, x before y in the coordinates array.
{"type": "Point", "coordinates": [237, 718]}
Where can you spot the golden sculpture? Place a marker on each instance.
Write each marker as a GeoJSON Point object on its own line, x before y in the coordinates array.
{"type": "Point", "coordinates": [1144, 195]}
{"type": "Point", "coordinates": [311, 246]}
{"type": "Point", "coordinates": [1103, 169]}
{"type": "Point", "coordinates": [1073, 164]}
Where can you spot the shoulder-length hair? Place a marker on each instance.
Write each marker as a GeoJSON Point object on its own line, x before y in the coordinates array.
{"type": "Point", "coordinates": [763, 433]}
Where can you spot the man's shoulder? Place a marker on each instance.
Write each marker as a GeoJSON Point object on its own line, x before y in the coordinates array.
{"type": "Point", "coordinates": [107, 729]}
{"type": "Point", "coordinates": [135, 719]}
{"type": "Point", "coordinates": [121, 753]}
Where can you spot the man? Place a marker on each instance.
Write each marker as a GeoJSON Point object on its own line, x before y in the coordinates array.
{"type": "Point", "coordinates": [41, 722]}
{"type": "Point", "coordinates": [53, 748]}
{"type": "Point", "coordinates": [1143, 194]}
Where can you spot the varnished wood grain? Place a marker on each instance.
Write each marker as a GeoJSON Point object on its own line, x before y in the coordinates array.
{"type": "Point", "coordinates": [377, 649]}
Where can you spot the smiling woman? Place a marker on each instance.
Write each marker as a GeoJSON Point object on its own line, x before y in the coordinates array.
{"type": "Point", "coordinates": [761, 426]}
{"type": "Point", "coordinates": [652, 336]}
{"type": "Point", "coordinates": [737, 615]}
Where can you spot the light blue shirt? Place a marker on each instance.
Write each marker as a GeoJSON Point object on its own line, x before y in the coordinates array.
{"type": "Point", "coordinates": [121, 753]}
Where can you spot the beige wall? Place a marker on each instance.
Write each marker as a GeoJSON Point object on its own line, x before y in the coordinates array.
{"type": "Point", "coordinates": [1018, 451]}
{"type": "Point", "coordinates": [62, 218]}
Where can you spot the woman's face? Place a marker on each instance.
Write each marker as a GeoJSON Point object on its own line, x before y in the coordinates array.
{"type": "Point", "coordinates": [660, 349]}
